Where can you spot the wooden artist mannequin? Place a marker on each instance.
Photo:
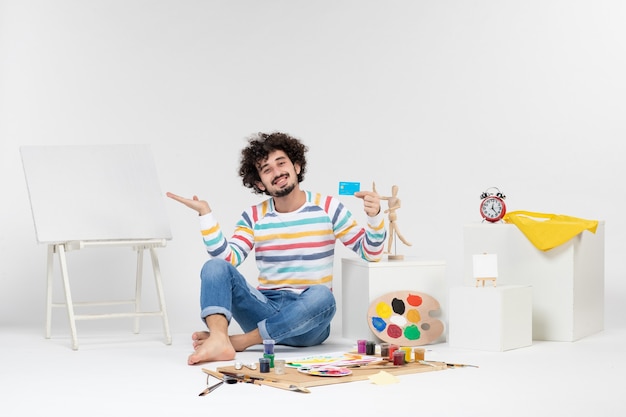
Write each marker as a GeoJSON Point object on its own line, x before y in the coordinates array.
{"type": "Point", "coordinates": [394, 204]}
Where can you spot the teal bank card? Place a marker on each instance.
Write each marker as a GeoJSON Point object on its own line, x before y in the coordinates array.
{"type": "Point", "coordinates": [349, 188]}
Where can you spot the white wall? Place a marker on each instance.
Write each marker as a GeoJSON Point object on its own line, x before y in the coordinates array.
{"type": "Point", "coordinates": [442, 98]}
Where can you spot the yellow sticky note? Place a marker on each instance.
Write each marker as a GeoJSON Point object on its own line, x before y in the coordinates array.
{"type": "Point", "coordinates": [383, 378]}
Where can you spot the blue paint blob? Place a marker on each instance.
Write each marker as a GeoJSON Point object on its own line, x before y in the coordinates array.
{"type": "Point", "coordinates": [378, 323]}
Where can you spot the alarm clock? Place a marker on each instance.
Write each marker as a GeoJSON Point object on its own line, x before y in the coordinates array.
{"type": "Point", "coordinates": [492, 206]}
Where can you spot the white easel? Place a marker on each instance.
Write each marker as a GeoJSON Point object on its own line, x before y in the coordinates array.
{"type": "Point", "coordinates": [97, 196]}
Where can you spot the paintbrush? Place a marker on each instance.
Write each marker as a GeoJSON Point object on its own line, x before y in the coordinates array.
{"type": "Point", "coordinates": [449, 365]}
{"type": "Point", "coordinates": [262, 381]}
{"type": "Point", "coordinates": [383, 363]}
{"type": "Point", "coordinates": [460, 365]}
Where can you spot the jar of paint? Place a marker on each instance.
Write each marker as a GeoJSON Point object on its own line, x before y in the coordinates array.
{"type": "Point", "coordinates": [268, 346]}
{"type": "Point", "coordinates": [418, 353]}
{"type": "Point", "coordinates": [279, 366]}
{"type": "Point", "coordinates": [370, 348]}
{"type": "Point", "coordinates": [392, 349]}
{"type": "Point", "coordinates": [384, 350]}
{"type": "Point", "coordinates": [269, 356]}
{"type": "Point", "coordinates": [264, 365]}
{"type": "Point", "coordinates": [361, 345]}
{"type": "Point", "coordinates": [398, 357]}
{"type": "Point", "coordinates": [408, 353]}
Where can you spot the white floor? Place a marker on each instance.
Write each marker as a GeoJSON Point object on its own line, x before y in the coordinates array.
{"type": "Point", "coordinates": [119, 373]}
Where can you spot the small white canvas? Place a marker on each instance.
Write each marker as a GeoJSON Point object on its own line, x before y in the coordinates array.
{"type": "Point", "coordinates": [94, 193]}
{"type": "Point", "coordinates": [486, 265]}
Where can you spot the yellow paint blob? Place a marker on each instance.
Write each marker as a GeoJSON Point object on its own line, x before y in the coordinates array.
{"type": "Point", "coordinates": [413, 316]}
{"type": "Point", "coordinates": [383, 310]}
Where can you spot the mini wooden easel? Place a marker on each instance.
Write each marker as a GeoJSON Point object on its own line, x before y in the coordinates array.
{"type": "Point", "coordinates": [482, 280]}
{"type": "Point", "coordinates": [485, 268]}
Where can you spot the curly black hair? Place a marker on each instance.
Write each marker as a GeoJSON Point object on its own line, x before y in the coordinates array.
{"type": "Point", "coordinates": [260, 145]}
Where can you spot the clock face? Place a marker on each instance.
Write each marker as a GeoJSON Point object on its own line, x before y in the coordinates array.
{"type": "Point", "coordinates": [492, 209]}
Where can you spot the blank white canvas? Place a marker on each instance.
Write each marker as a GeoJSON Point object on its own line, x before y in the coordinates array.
{"type": "Point", "coordinates": [94, 192]}
{"type": "Point", "coordinates": [486, 266]}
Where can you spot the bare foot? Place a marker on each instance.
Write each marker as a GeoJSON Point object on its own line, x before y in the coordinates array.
{"type": "Point", "coordinates": [213, 349]}
{"type": "Point", "coordinates": [199, 338]}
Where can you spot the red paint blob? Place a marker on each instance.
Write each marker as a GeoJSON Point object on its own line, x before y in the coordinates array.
{"type": "Point", "coordinates": [394, 331]}
{"type": "Point", "coordinates": [414, 300]}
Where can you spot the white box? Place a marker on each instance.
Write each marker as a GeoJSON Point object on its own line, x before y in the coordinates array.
{"type": "Point", "coordinates": [490, 318]}
{"type": "Point", "coordinates": [567, 281]}
{"type": "Point", "coordinates": [363, 282]}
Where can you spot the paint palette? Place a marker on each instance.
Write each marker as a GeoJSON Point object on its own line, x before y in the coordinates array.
{"type": "Point", "coordinates": [405, 318]}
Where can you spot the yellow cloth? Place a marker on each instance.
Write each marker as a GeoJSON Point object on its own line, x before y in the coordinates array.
{"type": "Point", "coordinates": [547, 231]}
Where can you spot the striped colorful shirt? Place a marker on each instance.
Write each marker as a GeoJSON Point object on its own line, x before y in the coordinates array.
{"type": "Point", "coordinates": [295, 250]}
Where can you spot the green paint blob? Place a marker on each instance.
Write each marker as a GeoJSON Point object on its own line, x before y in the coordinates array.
{"type": "Point", "coordinates": [412, 332]}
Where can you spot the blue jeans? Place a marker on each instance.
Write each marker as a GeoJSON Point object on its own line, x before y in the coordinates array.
{"type": "Point", "coordinates": [286, 317]}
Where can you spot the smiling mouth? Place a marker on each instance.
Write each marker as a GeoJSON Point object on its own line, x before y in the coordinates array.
{"type": "Point", "coordinates": [280, 179]}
